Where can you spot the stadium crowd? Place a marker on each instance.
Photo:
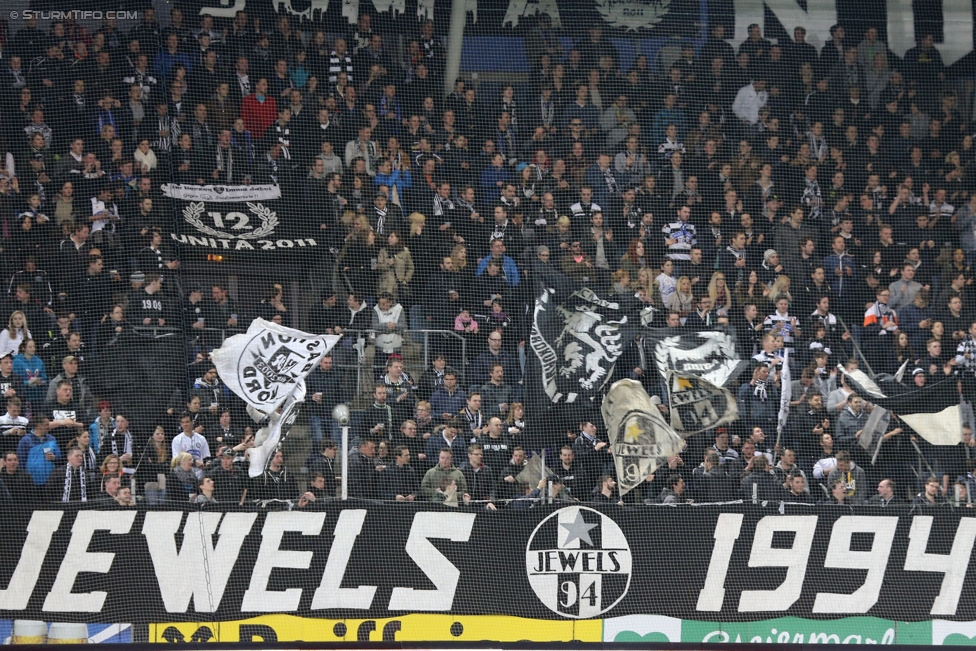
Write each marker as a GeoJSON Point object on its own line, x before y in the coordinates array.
{"type": "Point", "coordinates": [815, 202]}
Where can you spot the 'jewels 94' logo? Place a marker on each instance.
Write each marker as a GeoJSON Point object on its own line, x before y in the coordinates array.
{"type": "Point", "coordinates": [578, 562]}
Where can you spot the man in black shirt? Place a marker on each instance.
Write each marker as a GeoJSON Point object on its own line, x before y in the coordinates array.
{"type": "Point", "coordinates": [17, 481]}
{"type": "Point", "coordinates": [228, 482]}
{"type": "Point", "coordinates": [324, 463]}
{"type": "Point", "coordinates": [275, 483]}
{"type": "Point", "coordinates": [400, 482]}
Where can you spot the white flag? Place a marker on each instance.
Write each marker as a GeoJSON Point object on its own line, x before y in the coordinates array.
{"type": "Point", "coordinates": [785, 395]}
{"type": "Point", "coordinates": [640, 439]}
{"type": "Point", "coordinates": [942, 428]}
{"type": "Point", "coordinates": [277, 425]}
{"type": "Point", "coordinates": [266, 364]}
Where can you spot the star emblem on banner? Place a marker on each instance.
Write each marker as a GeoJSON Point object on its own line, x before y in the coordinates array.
{"type": "Point", "coordinates": [578, 530]}
{"type": "Point", "coordinates": [632, 433]}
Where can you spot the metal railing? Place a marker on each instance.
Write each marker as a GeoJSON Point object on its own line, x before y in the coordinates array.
{"type": "Point", "coordinates": [425, 338]}
{"type": "Point", "coordinates": [362, 340]}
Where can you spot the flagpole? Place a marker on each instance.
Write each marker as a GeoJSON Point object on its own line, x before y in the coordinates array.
{"type": "Point", "coordinates": [921, 456]}
{"type": "Point", "coordinates": [857, 348]}
{"type": "Point", "coordinates": [786, 394]}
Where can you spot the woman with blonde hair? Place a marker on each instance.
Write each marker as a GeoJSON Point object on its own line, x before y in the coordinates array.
{"type": "Point", "coordinates": [396, 268]}
{"type": "Point", "coordinates": [780, 289]}
{"type": "Point", "coordinates": [719, 292]}
{"type": "Point", "coordinates": [459, 256]}
{"type": "Point", "coordinates": [561, 238]}
{"type": "Point", "coordinates": [417, 223]}
{"type": "Point", "coordinates": [682, 299]}
{"type": "Point", "coordinates": [182, 481]}
{"type": "Point", "coordinates": [14, 334]}
{"type": "Point", "coordinates": [515, 423]}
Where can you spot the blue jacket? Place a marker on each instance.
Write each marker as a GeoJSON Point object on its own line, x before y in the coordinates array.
{"type": "Point", "coordinates": [28, 441]}
{"type": "Point", "coordinates": [401, 179]}
{"type": "Point", "coordinates": [509, 268]}
{"type": "Point", "coordinates": [28, 369]}
{"type": "Point", "coordinates": [830, 263]}
{"type": "Point", "coordinates": [441, 402]}
{"type": "Point", "coordinates": [489, 181]}
{"type": "Point", "coordinates": [165, 62]}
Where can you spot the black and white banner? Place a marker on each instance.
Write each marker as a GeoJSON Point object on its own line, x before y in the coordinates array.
{"type": "Point", "coordinates": [640, 439]}
{"type": "Point", "coordinates": [734, 563]}
{"type": "Point", "coordinates": [707, 354]}
{"type": "Point", "coordinates": [578, 339]}
{"type": "Point", "coordinates": [246, 220]}
{"type": "Point", "coordinates": [697, 405]}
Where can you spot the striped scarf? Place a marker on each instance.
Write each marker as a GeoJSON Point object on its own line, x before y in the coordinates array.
{"type": "Point", "coordinates": [66, 495]}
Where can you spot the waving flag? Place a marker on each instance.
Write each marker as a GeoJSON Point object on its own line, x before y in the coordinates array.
{"type": "Point", "coordinates": [640, 439]}
{"type": "Point", "coordinates": [933, 410]}
{"type": "Point", "coordinates": [266, 368]}
{"type": "Point", "coordinates": [697, 404]}
{"type": "Point", "coordinates": [264, 365]}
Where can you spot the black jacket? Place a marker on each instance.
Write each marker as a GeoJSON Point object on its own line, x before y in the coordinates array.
{"type": "Point", "coordinates": [399, 480]}
{"type": "Point", "coordinates": [481, 483]}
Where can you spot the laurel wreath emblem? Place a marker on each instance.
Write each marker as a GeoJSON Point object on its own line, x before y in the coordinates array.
{"type": "Point", "coordinates": [643, 14]}
{"type": "Point", "coordinates": [268, 217]}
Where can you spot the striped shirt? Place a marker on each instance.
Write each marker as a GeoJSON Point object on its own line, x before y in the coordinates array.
{"type": "Point", "coordinates": [339, 63]}
{"type": "Point", "coordinates": [684, 236]}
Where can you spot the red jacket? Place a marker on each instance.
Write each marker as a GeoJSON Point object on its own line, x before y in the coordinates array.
{"type": "Point", "coordinates": [258, 116]}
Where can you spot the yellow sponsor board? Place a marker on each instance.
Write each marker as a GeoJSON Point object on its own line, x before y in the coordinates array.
{"type": "Point", "coordinates": [409, 628]}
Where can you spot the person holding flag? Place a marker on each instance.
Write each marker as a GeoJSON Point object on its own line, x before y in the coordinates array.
{"type": "Point", "coordinates": [266, 367]}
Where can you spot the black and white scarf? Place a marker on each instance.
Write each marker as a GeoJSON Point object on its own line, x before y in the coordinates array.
{"type": "Point", "coordinates": [245, 85]}
{"type": "Point", "coordinates": [126, 442]}
{"type": "Point", "coordinates": [66, 495]}
{"type": "Point", "coordinates": [610, 180]}
{"type": "Point", "coordinates": [381, 216]}
{"type": "Point", "coordinates": [225, 163]}
{"type": "Point", "coordinates": [548, 112]}
{"type": "Point", "coordinates": [760, 390]}
{"type": "Point", "coordinates": [474, 420]}
{"type": "Point", "coordinates": [813, 198]}
{"type": "Point", "coordinates": [283, 137]}
{"type": "Point", "coordinates": [272, 169]}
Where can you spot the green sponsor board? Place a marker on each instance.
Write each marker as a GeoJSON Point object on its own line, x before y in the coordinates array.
{"type": "Point", "coordinates": [788, 630]}
{"type": "Point", "coordinates": [794, 630]}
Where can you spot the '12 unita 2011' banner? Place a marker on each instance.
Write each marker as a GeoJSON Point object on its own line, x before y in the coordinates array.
{"type": "Point", "coordinates": [239, 220]}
